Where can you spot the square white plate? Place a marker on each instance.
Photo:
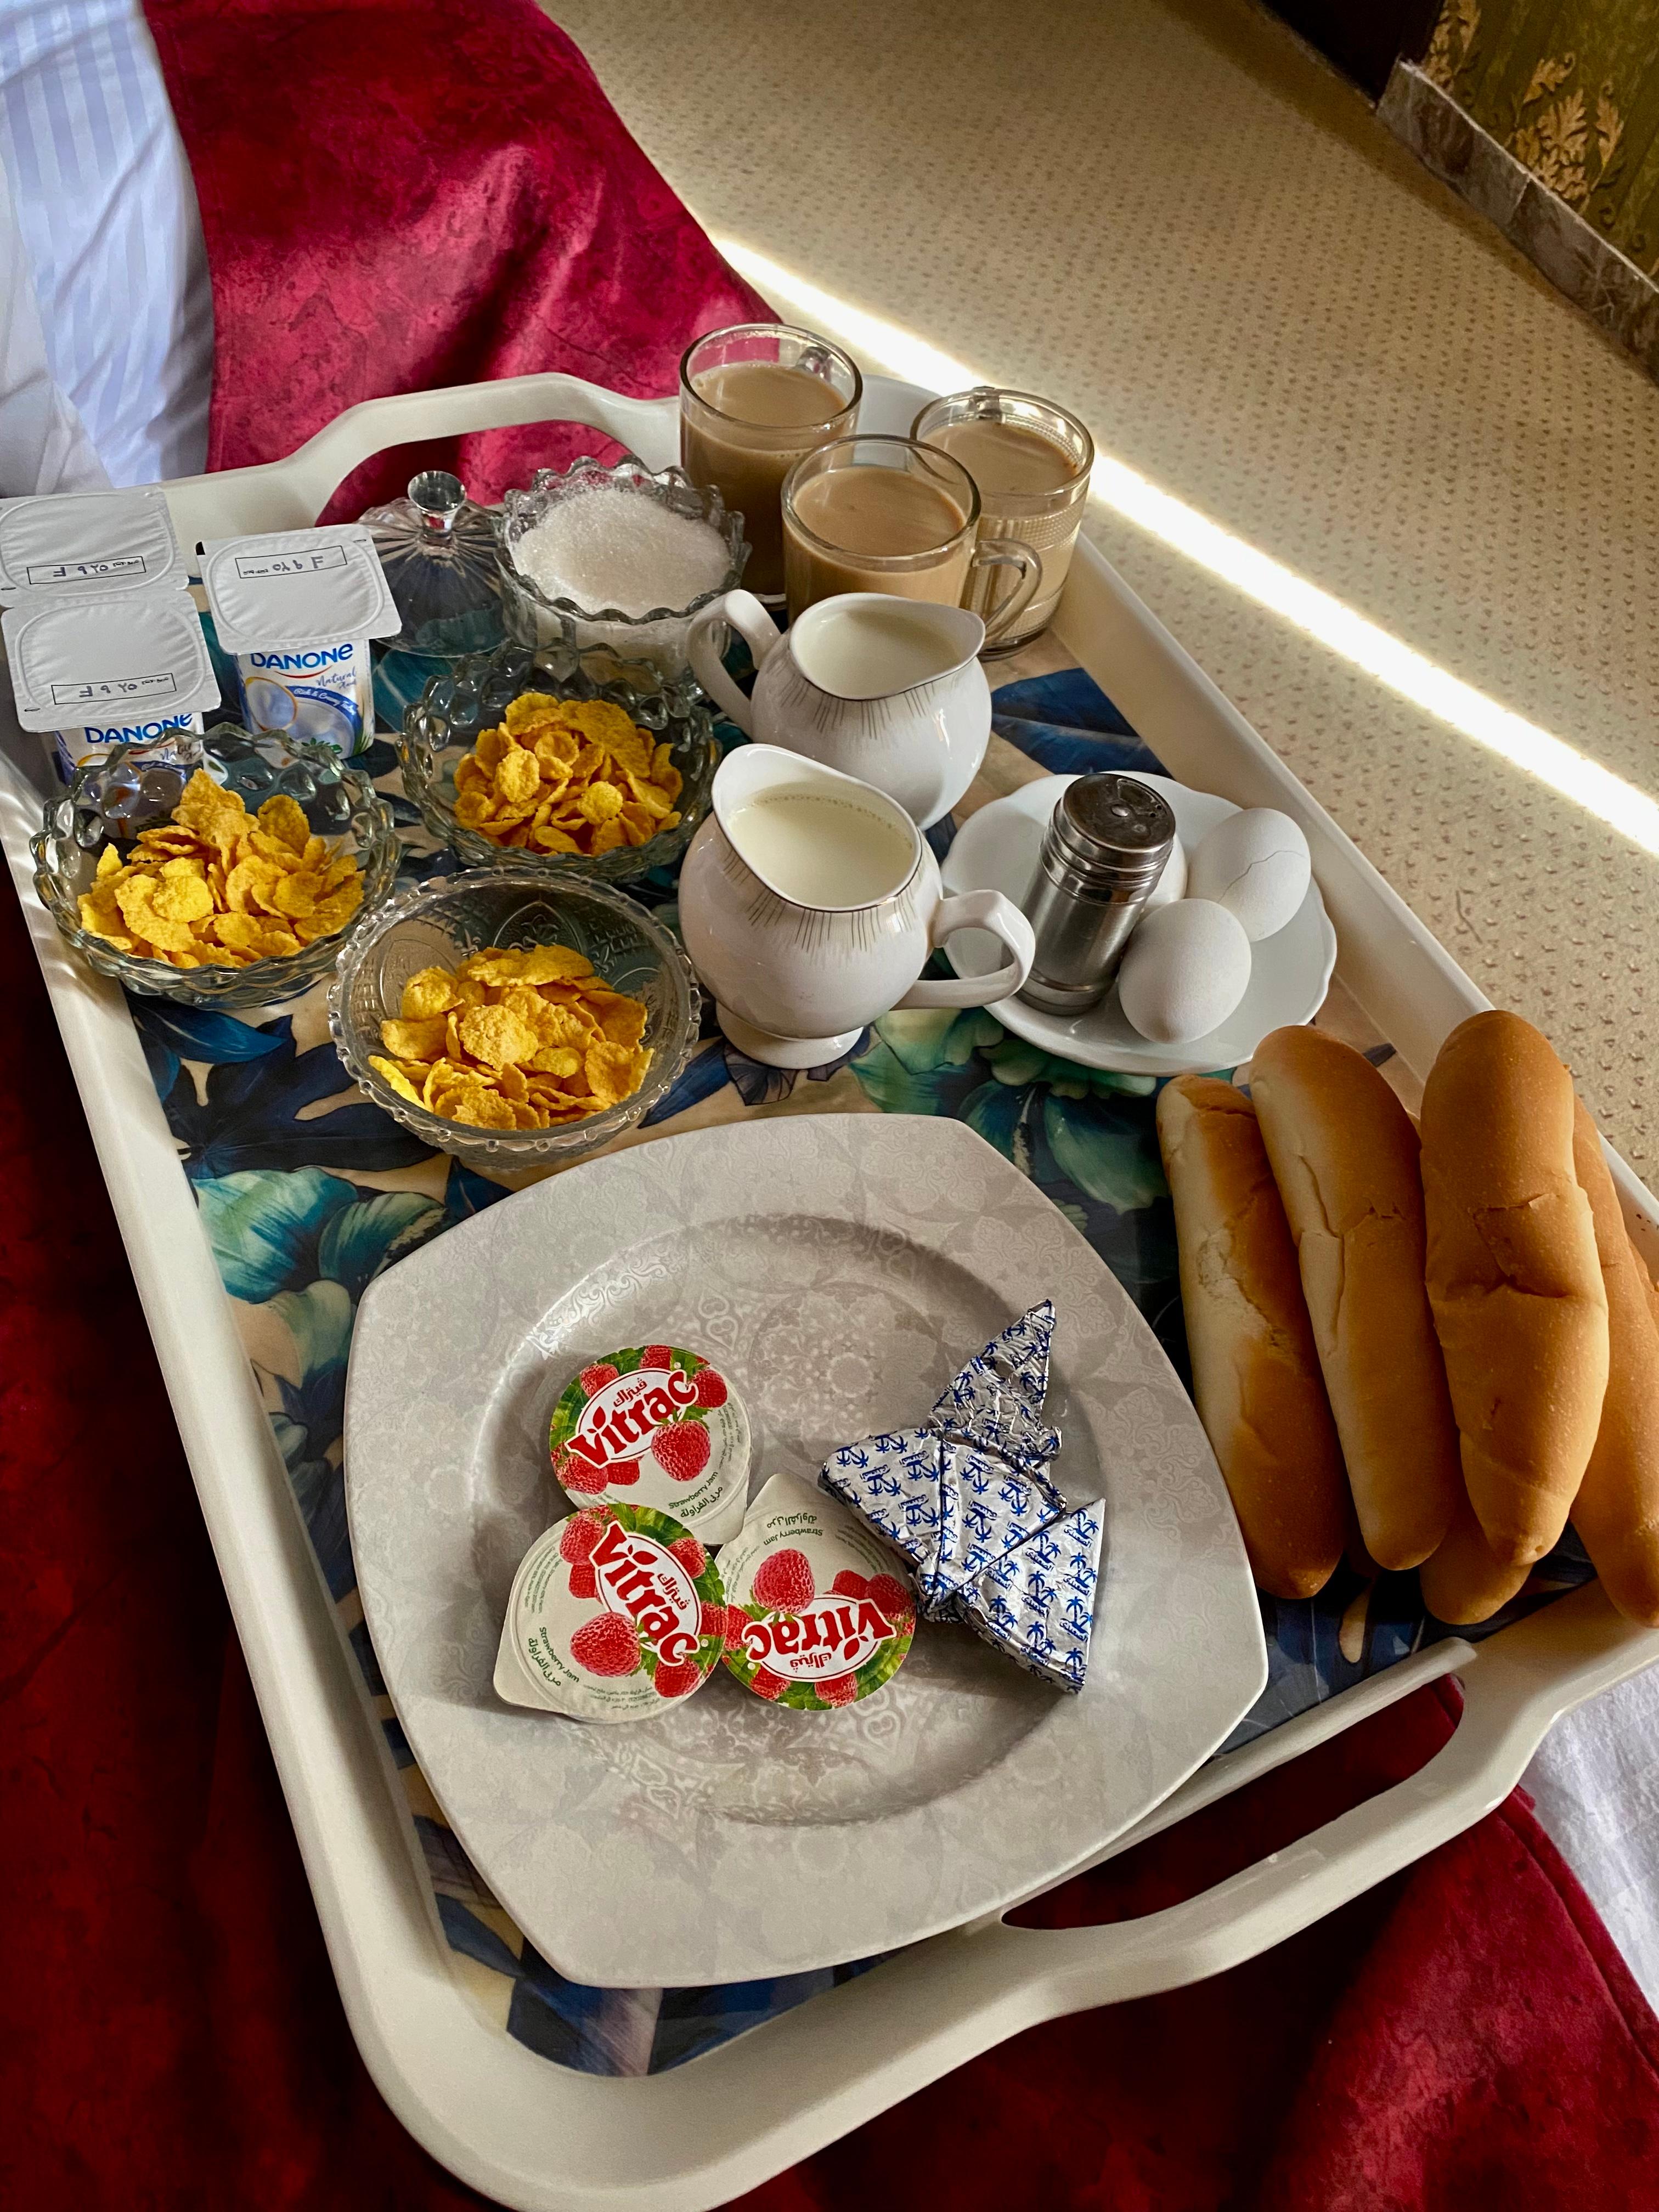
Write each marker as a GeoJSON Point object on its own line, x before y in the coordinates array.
{"type": "Point", "coordinates": [839, 1268]}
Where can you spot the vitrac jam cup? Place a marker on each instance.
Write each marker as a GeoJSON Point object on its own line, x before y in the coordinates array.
{"type": "Point", "coordinates": [655, 1425]}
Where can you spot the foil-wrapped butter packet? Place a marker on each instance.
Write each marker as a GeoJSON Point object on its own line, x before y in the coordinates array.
{"type": "Point", "coordinates": [967, 1500]}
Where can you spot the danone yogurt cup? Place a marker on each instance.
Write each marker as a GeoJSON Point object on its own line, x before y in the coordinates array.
{"type": "Point", "coordinates": [655, 1425]}
{"type": "Point", "coordinates": [90, 673]}
{"type": "Point", "coordinates": [296, 609]}
{"type": "Point", "coordinates": [614, 1612]}
{"type": "Point", "coordinates": [86, 544]}
{"type": "Point", "coordinates": [818, 1613]}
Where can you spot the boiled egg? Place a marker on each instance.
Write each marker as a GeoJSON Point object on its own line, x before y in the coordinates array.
{"type": "Point", "coordinates": [1188, 966]}
{"type": "Point", "coordinates": [1254, 864]}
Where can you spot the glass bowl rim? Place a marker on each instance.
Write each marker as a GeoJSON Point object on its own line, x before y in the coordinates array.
{"type": "Point", "coordinates": [511, 1144]}
{"type": "Point", "coordinates": [633, 467]}
{"type": "Point", "coordinates": [259, 981]}
{"type": "Point", "coordinates": [694, 714]}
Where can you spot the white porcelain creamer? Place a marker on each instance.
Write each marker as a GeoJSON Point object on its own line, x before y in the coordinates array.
{"type": "Point", "coordinates": [809, 902]}
{"type": "Point", "coordinates": [887, 689]}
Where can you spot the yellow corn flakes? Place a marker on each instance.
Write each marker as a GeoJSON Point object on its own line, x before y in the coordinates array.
{"type": "Point", "coordinates": [510, 1039]}
{"type": "Point", "coordinates": [567, 775]}
{"type": "Point", "coordinates": [218, 887]}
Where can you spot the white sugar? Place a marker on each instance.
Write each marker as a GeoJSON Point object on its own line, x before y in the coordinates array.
{"type": "Point", "coordinates": [610, 548]}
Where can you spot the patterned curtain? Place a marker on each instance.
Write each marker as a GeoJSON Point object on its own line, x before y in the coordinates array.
{"type": "Point", "coordinates": [1572, 89]}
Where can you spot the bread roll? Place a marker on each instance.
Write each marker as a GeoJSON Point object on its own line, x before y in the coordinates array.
{"type": "Point", "coordinates": [1463, 1582]}
{"type": "Point", "coordinates": [1514, 1281]}
{"type": "Point", "coordinates": [1616, 1511]}
{"type": "Point", "coordinates": [1255, 1373]}
{"type": "Point", "coordinates": [1344, 1155]}
{"type": "Point", "coordinates": [1648, 1284]}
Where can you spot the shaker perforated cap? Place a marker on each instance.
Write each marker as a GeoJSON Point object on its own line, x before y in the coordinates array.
{"type": "Point", "coordinates": [1115, 814]}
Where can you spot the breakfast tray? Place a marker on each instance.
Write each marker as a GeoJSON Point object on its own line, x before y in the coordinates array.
{"type": "Point", "coordinates": [536, 2135]}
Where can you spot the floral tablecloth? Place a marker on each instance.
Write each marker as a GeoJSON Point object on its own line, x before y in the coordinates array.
{"type": "Point", "coordinates": [306, 1191]}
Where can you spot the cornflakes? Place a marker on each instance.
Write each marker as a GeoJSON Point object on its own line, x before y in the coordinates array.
{"type": "Point", "coordinates": [514, 1040]}
{"type": "Point", "coordinates": [567, 775]}
{"type": "Point", "coordinates": [218, 887]}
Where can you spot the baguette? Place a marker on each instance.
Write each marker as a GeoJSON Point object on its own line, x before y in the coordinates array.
{"type": "Point", "coordinates": [1616, 1511]}
{"type": "Point", "coordinates": [1255, 1373]}
{"type": "Point", "coordinates": [1514, 1281]}
{"type": "Point", "coordinates": [1462, 1582]}
{"type": "Point", "coordinates": [1345, 1156]}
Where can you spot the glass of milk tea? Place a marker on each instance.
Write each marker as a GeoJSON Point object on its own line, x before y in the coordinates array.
{"type": "Point", "coordinates": [875, 514]}
{"type": "Point", "coordinates": [1030, 461]}
{"type": "Point", "coordinates": [753, 399]}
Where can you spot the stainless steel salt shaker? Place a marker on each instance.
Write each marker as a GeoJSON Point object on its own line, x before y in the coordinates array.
{"type": "Point", "coordinates": [1103, 854]}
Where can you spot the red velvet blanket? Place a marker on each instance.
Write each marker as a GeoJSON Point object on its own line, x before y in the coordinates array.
{"type": "Point", "coordinates": [398, 195]}
{"type": "Point", "coordinates": [387, 204]}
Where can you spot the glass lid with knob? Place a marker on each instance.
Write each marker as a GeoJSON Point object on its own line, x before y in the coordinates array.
{"type": "Point", "coordinates": [438, 549]}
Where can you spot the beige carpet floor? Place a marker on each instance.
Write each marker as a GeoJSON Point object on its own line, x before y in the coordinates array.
{"type": "Point", "coordinates": [1167, 215]}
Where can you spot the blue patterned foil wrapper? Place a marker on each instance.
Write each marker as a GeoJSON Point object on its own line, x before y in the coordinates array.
{"type": "Point", "coordinates": [966, 1497]}
{"type": "Point", "coordinates": [996, 1400]}
{"type": "Point", "coordinates": [1036, 1604]}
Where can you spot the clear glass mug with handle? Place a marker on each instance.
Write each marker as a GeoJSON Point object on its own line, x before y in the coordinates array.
{"type": "Point", "coordinates": [870, 513]}
{"type": "Point", "coordinates": [1030, 461]}
{"type": "Point", "coordinates": [753, 399]}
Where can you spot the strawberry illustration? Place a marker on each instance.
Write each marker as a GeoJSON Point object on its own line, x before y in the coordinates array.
{"type": "Point", "coordinates": [848, 1585]}
{"type": "Point", "coordinates": [681, 1450]}
{"type": "Point", "coordinates": [676, 1681]}
{"type": "Point", "coordinates": [783, 1583]}
{"type": "Point", "coordinates": [765, 1684]}
{"type": "Point", "coordinates": [657, 1355]}
{"type": "Point", "coordinates": [712, 1621]}
{"type": "Point", "coordinates": [840, 1690]}
{"type": "Point", "coordinates": [710, 1387]}
{"type": "Point", "coordinates": [593, 1379]}
{"type": "Point", "coordinates": [621, 1472]}
{"type": "Point", "coordinates": [607, 1645]}
{"type": "Point", "coordinates": [735, 1621]}
{"type": "Point", "coordinates": [584, 1583]}
{"type": "Point", "coordinates": [580, 1480]}
{"type": "Point", "coordinates": [578, 1537]}
{"type": "Point", "coordinates": [690, 1554]}
{"type": "Point", "coordinates": [891, 1598]}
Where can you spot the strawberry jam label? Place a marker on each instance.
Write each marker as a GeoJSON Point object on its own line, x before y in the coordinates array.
{"type": "Point", "coordinates": [819, 1613]}
{"type": "Point", "coordinates": [654, 1425]}
{"type": "Point", "coordinates": [614, 1612]}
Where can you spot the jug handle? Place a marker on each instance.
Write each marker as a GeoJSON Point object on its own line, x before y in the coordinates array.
{"type": "Point", "coordinates": [759, 633]}
{"type": "Point", "coordinates": [978, 910]}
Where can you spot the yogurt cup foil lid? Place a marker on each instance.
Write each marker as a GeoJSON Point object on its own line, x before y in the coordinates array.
{"type": "Point", "coordinates": [290, 591]}
{"type": "Point", "coordinates": [88, 545]}
{"type": "Point", "coordinates": [655, 1425]}
{"type": "Point", "coordinates": [818, 1613]}
{"type": "Point", "coordinates": [614, 1613]}
{"type": "Point", "coordinates": [137, 656]}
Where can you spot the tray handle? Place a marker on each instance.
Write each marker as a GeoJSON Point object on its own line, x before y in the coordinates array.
{"type": "Point", "coordinates": [1513, 1694]}
{"type": "Point", "coordinates": [290, 494]}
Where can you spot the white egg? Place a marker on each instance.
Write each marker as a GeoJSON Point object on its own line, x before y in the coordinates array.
{"type": "Point", "coordinates": [1172, 883]}
{"type": "Point", "coordinates": [1254, 864]}
{"type": "Point", "coordinates": [1188, 966]}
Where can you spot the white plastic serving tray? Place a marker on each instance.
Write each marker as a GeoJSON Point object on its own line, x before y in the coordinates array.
{"type": "Point", "coordinates": [532, 2135]}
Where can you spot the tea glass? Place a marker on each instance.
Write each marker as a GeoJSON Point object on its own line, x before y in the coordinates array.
{"type": "Point", "coordinates": [822, 555]}
{"type": "Point", "coordinates": [746, 461]}
{"type": "Point", "coordinates": [1046, 520]}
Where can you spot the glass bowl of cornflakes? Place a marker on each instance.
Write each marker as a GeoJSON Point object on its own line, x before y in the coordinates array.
{"type": "Point", "coordinates": [224, 876]}
{"type": "Point", "coordinates": [571, 763]}
{"type": "Point", "coordinates": [513, 1020]}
